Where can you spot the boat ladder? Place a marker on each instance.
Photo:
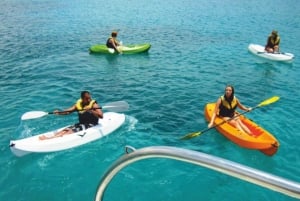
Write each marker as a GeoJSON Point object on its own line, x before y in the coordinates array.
{"type": "Point", "coordinates": [264, 179]}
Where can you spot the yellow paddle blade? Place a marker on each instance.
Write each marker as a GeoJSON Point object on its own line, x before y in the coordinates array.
{"type": "Point", "coordinates": [191, 135]}
{"type": "Point", "coordinates": [269, 101]}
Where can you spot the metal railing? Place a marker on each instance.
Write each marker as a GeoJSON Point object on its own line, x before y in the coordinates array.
{"type": "Point", "coordinates": [272, 182]}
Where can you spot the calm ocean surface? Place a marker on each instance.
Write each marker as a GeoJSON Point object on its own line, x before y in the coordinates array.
{"type": "Point", "coordinates": [198, 46]}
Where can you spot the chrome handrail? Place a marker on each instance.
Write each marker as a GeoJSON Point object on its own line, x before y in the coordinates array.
{"type": "Point", "coordinates": [267, 180]}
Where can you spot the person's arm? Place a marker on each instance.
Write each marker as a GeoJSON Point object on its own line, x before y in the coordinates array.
{"type": "Point", "coordinates": [115, 44]}
{"type": "Point", "coordinates": [212, 120]}
{"type": "Point", "coordinates": [66, 111]}
{"type": "Point", "coordinates": [242, 107]}
{"type": "Point", "coordinates": [278, 41]}
{"type": "Point", "coordinates": [97, 111]}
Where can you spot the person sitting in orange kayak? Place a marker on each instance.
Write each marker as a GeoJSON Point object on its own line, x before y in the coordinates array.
{"type": "Point", "coordinates": [113, 43]}
{"type": "Point", "coordinates": [273, 41]}
{"type": "Point", "coordinates": [225, 109]}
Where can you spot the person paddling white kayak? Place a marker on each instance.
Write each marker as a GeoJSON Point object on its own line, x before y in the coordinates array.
{"type": "Point", "coordinates": [89, 113]}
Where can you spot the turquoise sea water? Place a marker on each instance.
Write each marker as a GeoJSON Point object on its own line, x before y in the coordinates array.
{"type": "Point", "coordinates": [197, 48]}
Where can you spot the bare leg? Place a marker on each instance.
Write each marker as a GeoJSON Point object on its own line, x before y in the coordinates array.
{"type": "Point", "coordinates": [58, 134]}
{"type": "Point", "coordinates": [236, 122]}
{"type": "Point", "coordinates": [120, 49]}
{"type": "Point", "coordinates": [269, 50]}
{"type": "Point", "coordinates": [244, 127]}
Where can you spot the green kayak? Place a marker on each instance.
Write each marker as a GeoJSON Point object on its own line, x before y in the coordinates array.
{"type": "Point", "coordinates": [128, 49]}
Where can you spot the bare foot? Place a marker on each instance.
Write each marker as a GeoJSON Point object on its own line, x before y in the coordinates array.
{"type": "Point", "coordinates": [42, 137]}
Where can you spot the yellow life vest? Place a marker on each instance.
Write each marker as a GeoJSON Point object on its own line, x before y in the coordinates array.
{"type": "Point", "coordinates": [227, 105]}
{"type": "Point", "coordinates": [275, 41]}
{"type": "Point", "coordinates": [80, 107]}
{"type": "Point", "coordinates": [226, 109]}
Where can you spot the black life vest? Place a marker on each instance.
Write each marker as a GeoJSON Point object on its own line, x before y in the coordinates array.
{"type": "Point", "coordinates": [109, 44]}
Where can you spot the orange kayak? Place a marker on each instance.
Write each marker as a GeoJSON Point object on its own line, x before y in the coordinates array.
{"type": "Point", "coordinates": [261, 139]}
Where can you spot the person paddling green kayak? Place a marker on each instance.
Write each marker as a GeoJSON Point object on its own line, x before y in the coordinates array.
{"type": "Point", "coordinates": [113, 43]}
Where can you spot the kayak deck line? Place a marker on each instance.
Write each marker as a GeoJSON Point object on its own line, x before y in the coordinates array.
{"type": "Point", "coordinates": [82, 135]}
{"type": "Point", "coordinates": [260, 178]}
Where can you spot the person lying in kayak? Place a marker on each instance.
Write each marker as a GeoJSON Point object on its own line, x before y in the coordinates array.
{"type": "Point", "coordinates": [89, 113]}
{"type": "Point", "coordinates": [273, 41]}
{"type": "Point", "coordinates": [225, 109]}
{"type": "Point", "coordinates": [113, 43]}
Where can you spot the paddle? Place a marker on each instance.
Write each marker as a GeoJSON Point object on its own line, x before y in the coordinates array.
{"type": "Point", "coordinates": [117, 106]}
{"type": "Point", "coordinates": [197, 133]}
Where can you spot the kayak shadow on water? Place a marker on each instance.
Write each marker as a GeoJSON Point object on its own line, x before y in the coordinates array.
{"type": "Point", "coordinates": [114, 59]}
{"type": "Point", "coordinates": [266, 62]}
{"type": "Point", "coordinates": [110, 58]}
{"type": "Point", "coordinates": [273, 66]}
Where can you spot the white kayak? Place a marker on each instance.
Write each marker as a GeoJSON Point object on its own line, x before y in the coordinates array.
{"type": "Point", "coordinates": [260, 51]}
{"type": "Point", "coordinates": [110, 122]}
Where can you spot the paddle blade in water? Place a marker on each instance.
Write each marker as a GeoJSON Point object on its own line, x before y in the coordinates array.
{"type": "Point", "coordinates": [190, 135]}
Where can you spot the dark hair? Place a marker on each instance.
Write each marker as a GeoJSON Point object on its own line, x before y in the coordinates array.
{"type": "Point", "coordinates": [274, 32]}
{"type": "Point", "coordinates": [229, 99]}
{"type": "Point", "coordinates": [114, 34]}
{"type": "Point", "coordinates": [83, 94]}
